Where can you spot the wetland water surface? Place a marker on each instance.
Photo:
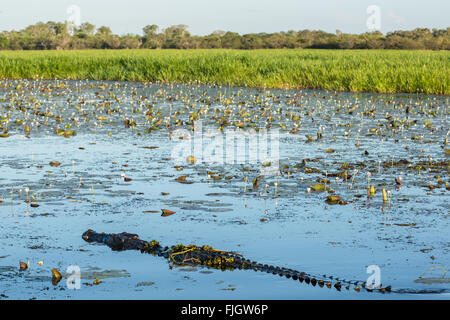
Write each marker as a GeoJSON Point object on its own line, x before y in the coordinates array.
{"type": "Point", "coordinates": [70, 148]}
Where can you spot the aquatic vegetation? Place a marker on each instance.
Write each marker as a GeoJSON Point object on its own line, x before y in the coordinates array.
{"type": "Point", "coordinates": [318, 187]}
{"type": "Point", "coordinates": [335, 200]}
{"type": "Point", "coordinates": [120, 168]}
{"type": "Point", "coordinates": [384, 71]}
{"type": "Point", "coordinates": [384, 193]}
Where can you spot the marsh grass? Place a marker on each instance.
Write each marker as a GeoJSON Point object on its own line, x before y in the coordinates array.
{"type": "Point", "coordinates": [383, 71]}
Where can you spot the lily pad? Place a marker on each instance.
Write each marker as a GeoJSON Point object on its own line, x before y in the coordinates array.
{"type": "Point", "coordinates": [318, 187]}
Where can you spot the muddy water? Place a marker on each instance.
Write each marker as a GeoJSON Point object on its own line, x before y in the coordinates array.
{"type": "Point", "coordinates": [279, 222]}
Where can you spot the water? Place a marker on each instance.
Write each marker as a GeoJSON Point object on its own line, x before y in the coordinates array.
{"type": "Point", "coordinates": [283, 225]}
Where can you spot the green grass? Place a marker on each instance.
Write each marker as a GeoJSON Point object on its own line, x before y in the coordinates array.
{"type": "Point", "coordinates": [384, 71]}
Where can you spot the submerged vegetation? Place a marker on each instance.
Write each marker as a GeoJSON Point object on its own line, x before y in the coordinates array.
{"type": "Point", "coordinates": [382, 71]}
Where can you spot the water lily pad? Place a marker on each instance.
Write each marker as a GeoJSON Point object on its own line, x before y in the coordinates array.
{"type": "Point", "coordinates": [318, 187]}
{"type": "Point", "coordinates": [333, 198]}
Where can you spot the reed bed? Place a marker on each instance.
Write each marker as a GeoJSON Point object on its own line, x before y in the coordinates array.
{"type": "Point", "coordinates": [382, 71]}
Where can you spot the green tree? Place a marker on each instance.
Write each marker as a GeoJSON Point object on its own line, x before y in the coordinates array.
{"type": "Point", "coordinates": [176, 37]}
{"type": "Point", "coordinates": [151, 38]}
{"type": "Point", "coordinates": [85, 30]}
{"type": "Point", "coordinates": [104, 31]}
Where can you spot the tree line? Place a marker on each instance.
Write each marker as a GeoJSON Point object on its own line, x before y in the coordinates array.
{"type": "Point", "coordinates": [63, 35]}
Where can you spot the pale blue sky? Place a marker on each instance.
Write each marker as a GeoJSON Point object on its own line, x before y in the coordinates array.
{"type": "Point", "coordinates": [243, 16]}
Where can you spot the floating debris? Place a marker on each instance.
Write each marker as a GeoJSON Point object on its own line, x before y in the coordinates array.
{"type": "Point", "coordinates": [23, 266]}
{"type": "Point", "coordinates": [56, 276]}
{"type": "Point", "coordinates": [166, 212]}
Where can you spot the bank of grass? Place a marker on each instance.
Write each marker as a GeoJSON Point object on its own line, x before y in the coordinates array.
{"type": "Point", "coordinates": [384, 71]}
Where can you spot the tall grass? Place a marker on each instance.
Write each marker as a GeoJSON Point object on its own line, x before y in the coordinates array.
{"type": "Point", "coordinates": [384, 71]}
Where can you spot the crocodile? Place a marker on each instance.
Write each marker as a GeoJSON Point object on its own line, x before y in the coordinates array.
{"type": "Point", "coordinates": [192, 255]}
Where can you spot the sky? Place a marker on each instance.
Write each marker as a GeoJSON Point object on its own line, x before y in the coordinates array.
{"type": "Point", "coordinates": [242, 16]}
